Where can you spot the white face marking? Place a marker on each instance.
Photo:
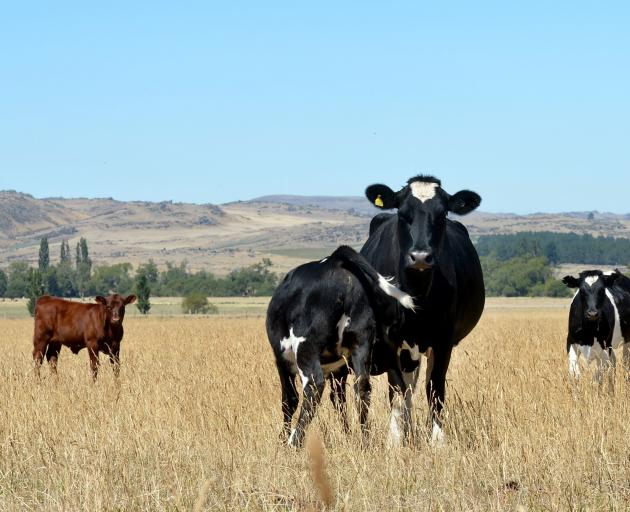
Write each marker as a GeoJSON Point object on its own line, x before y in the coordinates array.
{"type": "Point", "coordinates": [591, 280]}
{"type": "Point", "coordinates": [290, 347]}
{"type": "Point", "coordinates": [574, 357]}
{"type": "Point", "coordinates": [405, 300]}
{"type": "Point", "coordinates": [422, 190]}
{"type": "Point", "coordinates": [617, 338]}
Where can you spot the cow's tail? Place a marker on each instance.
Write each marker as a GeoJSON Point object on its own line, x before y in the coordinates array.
{"type": "Point", "coordinates": [359, 266]}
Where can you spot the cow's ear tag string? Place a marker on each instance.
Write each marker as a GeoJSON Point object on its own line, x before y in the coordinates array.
{"type": "Point", "coordinates": [378, 201]}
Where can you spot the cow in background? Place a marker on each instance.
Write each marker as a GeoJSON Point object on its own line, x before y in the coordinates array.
{"type": "Point", "coordinates": [599, 320]}
{"type": "Point", "coordinates": [97, 327]}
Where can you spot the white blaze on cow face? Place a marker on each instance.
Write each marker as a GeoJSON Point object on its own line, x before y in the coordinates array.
{"type": "Point", "coordinates": [290, 348]}
{"type": "Point", "coordinates": [422, 190]}
{"type": "Point", "coordinates": [617, 338]}
{"type": "Point", "coordinates": [591, 280]}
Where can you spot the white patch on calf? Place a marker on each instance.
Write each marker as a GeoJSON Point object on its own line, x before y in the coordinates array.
{"type": "Point", "coordinates": [423, 190]}
{"type": "Point", "coordinates": [342, 324]}
{"type": "Point", "coordinates": [405, 300]}
{"type": "Point", "coordinates": [290, 348]}
{"type": "Point", "coordinates": [617, 338]}
{"type": "Point", "coordinates": [591, 280]}
{"type": "Point", "coordinates": [324, 260]}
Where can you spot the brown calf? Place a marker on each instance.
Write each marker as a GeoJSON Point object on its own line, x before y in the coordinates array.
{"type": "Point", "coordinates": [97, 327]}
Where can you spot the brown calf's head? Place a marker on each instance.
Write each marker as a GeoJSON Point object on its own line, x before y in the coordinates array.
{"type": "Point", "coordinates": [115, 306]}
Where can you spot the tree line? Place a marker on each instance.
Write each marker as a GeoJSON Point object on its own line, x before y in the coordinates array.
{"type": "Point", "coordinates": [78, 277]}
{"type": "Point", "coordinates": [557, 247]}
{"type": "Point", "coordinates": [513, 265]}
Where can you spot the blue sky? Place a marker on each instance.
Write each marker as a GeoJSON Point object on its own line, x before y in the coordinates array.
{"type": "Point", "coordinates": [527, 104]}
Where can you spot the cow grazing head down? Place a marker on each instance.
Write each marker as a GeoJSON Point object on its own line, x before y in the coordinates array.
{"type": "Point", "coordinates": [115, 306]}
{"type": "Point", "coordinates": [422, 209]}
{"type": "Point", "coordinates": [591, 287]}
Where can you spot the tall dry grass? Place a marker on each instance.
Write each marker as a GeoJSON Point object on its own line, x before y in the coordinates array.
{"type": "Point", "coordinates": [194, 422]}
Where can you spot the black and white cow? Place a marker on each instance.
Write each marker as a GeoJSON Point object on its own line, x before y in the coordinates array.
{"type": "Point", "coordinates": [323, 318]}
{"type": "Point", "coordinates": [599, 319]}
{"type": "Point", "coordinates": [433, 260]}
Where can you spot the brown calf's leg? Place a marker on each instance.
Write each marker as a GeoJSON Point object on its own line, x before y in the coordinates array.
{"type": "Point", "coordinates": [114, 359]}
{"type": "Point", "coordinates": [39, 348]}
{"type": "Point", "coordinates": [52, 352]}
{"type": "Point", "coordinates": [92, 347]}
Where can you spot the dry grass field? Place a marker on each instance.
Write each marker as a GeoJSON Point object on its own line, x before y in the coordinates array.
{"type": "Point", "coordinates": [194, 421]}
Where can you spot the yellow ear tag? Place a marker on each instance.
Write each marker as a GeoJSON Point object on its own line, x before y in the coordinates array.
{"type": "Point", "coordinates": [378, 201]}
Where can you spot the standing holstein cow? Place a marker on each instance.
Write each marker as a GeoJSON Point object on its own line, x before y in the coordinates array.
{"type": "Point", "coordinates": [323, 318]}
{"type": "Point", "coordinates": [433, 260]}
{"type": "Point", "coordinates": [599, 320]}
{"type": "Point", "coordinates": [97, 327]}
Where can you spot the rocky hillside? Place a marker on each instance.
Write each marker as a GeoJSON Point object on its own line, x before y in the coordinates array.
{"type": "Point", "coordinates": [287, 229]}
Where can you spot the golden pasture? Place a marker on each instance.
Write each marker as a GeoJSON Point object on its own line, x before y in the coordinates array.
{"type": "Point", "coordinates": [194, 421]}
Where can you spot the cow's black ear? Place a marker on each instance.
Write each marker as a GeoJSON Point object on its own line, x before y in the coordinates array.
{"type": "Point", "coordinates": [382, 196]}
{"type": "Point", "coordinates": [101, 300]}
{"type": "Point", "coordinates": [130, 299]}
{"type": "Point", "coordinates": [571, 282]}
{"type": "Point", "coordinates": [609, 279]}
{"type": "Point", "coordinates": [465, 201]}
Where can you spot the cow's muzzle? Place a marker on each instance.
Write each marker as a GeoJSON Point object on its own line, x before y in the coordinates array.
{"type": "Point", "coordinates": [592, 315]}
{"type": "Point", "coordinates": [420, 260]}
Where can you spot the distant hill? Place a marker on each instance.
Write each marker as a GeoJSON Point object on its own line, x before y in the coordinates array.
{"type": "Point", "coordinates": [287, 229]}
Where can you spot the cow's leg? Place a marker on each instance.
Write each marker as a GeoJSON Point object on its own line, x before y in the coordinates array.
{"type": "Point", "coordinates": [401, 388]}
{"type": "Point", "coordinates": [290, 398]}
{"type": "Point", "coordinates": [574, 360]}
{"type": "Point", "coordinates": [92, 348]}
{"type": "Point", "coordinates": [114, 358]}
{"type": "Point", "coordinates": [437, 366]}
{"type": "Point", "coordinates": [362, 387]}
{"type": "Point", "coordinates": [312, 377]}
{"type": "Point", "coordinates": [52, 352]}
{"type": "Point", "coordinates": [39, 349]}
{"type": "Point", "coordinates": [338, 398]}
{"type": "Point", "coordinates": [605, 361]}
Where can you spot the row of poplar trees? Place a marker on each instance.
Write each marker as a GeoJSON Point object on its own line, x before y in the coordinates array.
{"type": "Point", "coordinates": [47, 278]}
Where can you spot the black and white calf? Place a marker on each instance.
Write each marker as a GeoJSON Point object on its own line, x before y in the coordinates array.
{"type": "Point", "coordinates": [433, 259]}
{"type": "Point", "coordinates": [599, 319]}
{"type": "Point", "coordinates": [323, 318]}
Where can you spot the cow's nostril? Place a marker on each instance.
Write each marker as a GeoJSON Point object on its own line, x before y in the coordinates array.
{"type": "Point", "coordinates": [421, 259]}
